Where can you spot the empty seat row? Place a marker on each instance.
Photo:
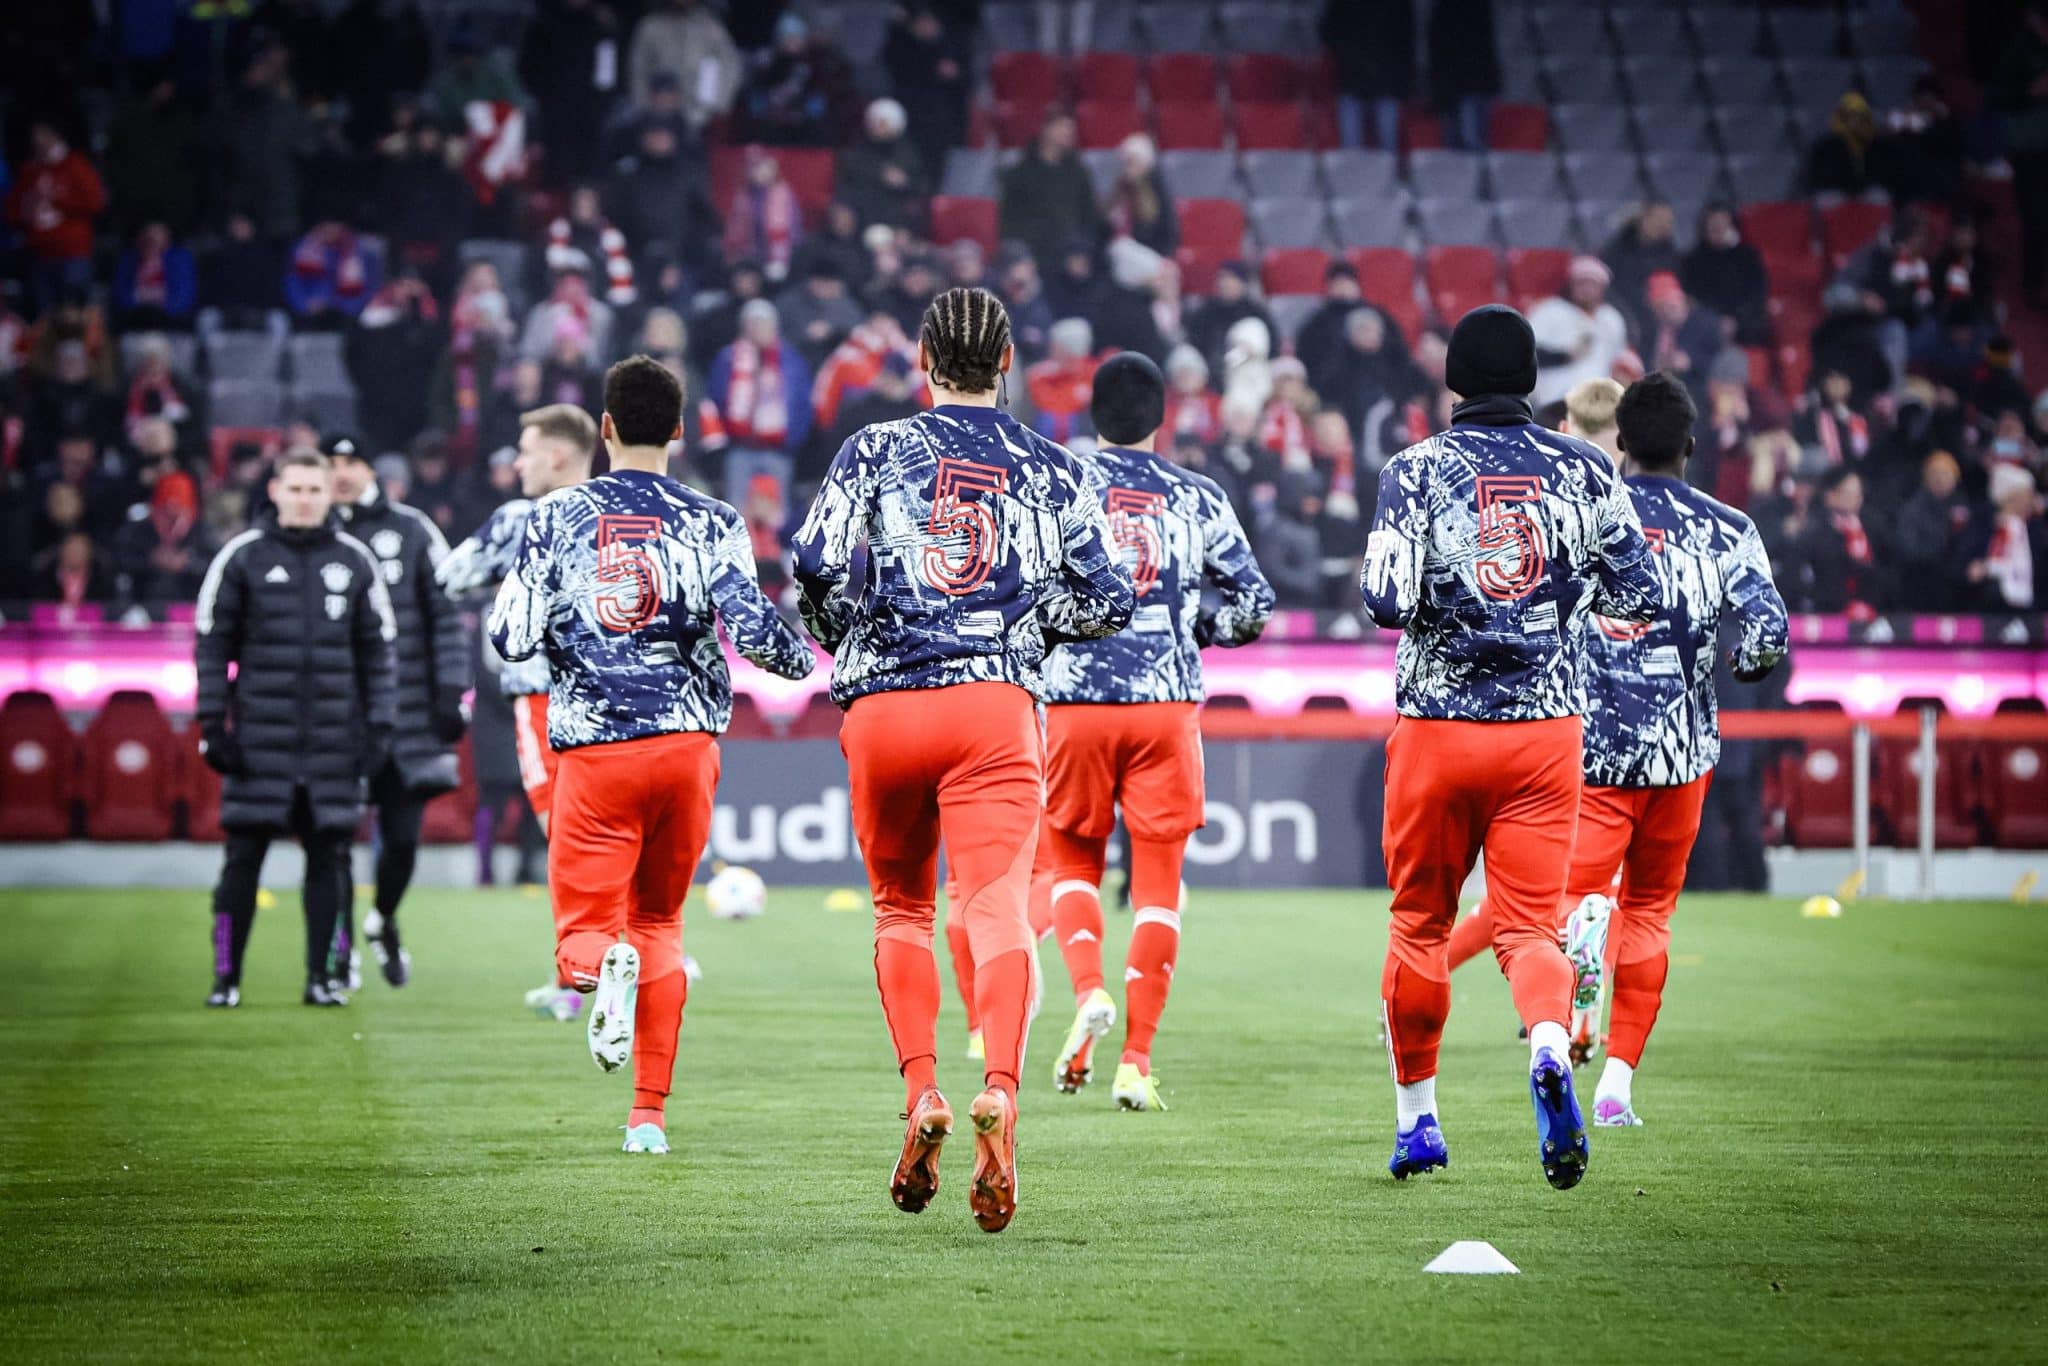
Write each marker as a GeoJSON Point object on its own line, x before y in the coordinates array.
{"type": "Point", "coordinates": [1984, 792]}
{"type": "Point", "coordinates": [1177, 76]}
{"type": "Point", "coordinates": [1159, 26]}
{"type": "Point", "coordinates": [1730, 31]}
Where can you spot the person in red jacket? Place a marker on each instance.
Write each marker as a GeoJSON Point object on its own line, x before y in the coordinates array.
{"type": "Point", "coordinates": [54, 203]}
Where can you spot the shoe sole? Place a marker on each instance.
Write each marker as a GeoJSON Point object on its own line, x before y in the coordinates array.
{"type": "Point", "coordinates": [916, 1179]}
{"type": "Point", "coordinates": [994, 1197]}
{"type": "Point", "coordinates": [1559, 1127]}
{"type": "Point", "coordinates": [1075, 1066]}
{"type": "Point", "coordinates": [611, 1008]}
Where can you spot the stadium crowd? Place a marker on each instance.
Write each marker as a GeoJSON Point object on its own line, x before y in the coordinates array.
{"type": "Point", "coordinates": [203, 189]}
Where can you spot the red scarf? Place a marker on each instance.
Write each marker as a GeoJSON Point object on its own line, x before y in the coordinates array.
{"type": "Point", "coordinates": [1282, 431]}
{"type": "Point", "coordinates": [168, 404]}
{"type": "Point", "coordinates": [1842, 434]}
{"type": "Point", "coordinates": [151, 289]}
{"type": "Point", "coordinates": [1194, 417]}
{"type": "Point", "coordinates": [852, 367]}
{"type": "Point", "coordinates": [331, 249]}
{"type": "Point", "coordinates": [1854, 539]}
{"type": "Point", "coordinates": [756, 406]}
{"type": "Point", "coordinates": [1909, 273]}
{"type": "Point", "coordinates": [2011, 561]}
{"type": "Point", "coordinates": [497, 147]}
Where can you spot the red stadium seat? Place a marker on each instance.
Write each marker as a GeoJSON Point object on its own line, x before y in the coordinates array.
{"type": "Point", "coordinates": [2016, 795]}
{"type": "Point", "coordinates": [1896, 793]}
{"type": "Point", "coordinates": [1217, 223]}
{"type": "Point", "coordinates": [1461, 279]}
{"type": "Point", "coordinates": [1819, 804]}
{"type": "Point", "coordinates": [955, 217]}
{"type": "Point", "coordinates": [451, 817]}
{"type": "Point", "coordinates": [1018, 121]}
{"type": "Point", "coordinates": [131, 767]}
{"type": "Point", "coordinates": [38, 769]}
{"type": "Point", "coordinates": [1295, 270]}
{"type": "Point", "coordinates": [1182, 76]}
{"type": "Point", "coordinates": [1536, 273]}
{"type": "Point", "coordinates": [1846, 228]}
{"type": "Point", "coordinates": [1030, 76]}
{"type": "Point", "coordinates": [981, 124]}
{"type": "Point", "coordinates": [1386, 276]}
{"type": "Point", "coordinates": [1319, 74]}
{"type": "Point", "coordinates": [1323, 132]}
{"type": "Point", "coordinates": [199, 789]}
{"type": "Point", "coordinates": [1199, 264]}
{"type": "Point", "coordinates": [1106, 76]}
{"type": "Point", "coordinates": [1780, 228]}
{"type": "Point", "coordinates": [1263, 78]}
{"type": "Point", "coordinates": [1189, 124]}
{"type": "Point", "coordinates": [1421, 131]}
{"type": "Point", "coordinates": [1795, 367]}
{"type": "Point", "coordinates": [1761, 375]}
{"type": "Point", "coordinates": [1518, 128]}
{"type": "Point", "coordinates": [221, 443]}
{"type": "Point", "coordinates": [1270, 126]}
{"type": "Point", "coordinates": [1106, 122]}
{"type": "Point", "coordinates": [809, 171]}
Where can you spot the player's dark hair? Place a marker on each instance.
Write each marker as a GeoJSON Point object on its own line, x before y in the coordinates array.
{"type": "Point", "coordinates": [1656, 415]}
{"type": "Point", "coordinates": [965, 332]}
{"type": "Point", "coordinates": [644, 400]}
{"type": "Point", "coordinates": [1129, 402]}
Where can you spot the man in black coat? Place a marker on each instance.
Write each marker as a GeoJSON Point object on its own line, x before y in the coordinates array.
{"type": "Point", "coordinates": [433, 664]}
{"type": "Point", "coordinates": [300, 612]}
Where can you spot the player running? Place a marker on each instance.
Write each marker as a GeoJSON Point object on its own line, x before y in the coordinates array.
{"type": "Point", "coordinates": [556, 444]}
{"type": "Point", "coordinates": [622, 580]}
{"type": "Point", "coordinates": [983, 542]}
{"type": "Point", "coordinates": [1652, 724]}
{"type": "Point", "coordinates": [1121, 726]}
{"type": "Point", "coordinates": [1491, 541]}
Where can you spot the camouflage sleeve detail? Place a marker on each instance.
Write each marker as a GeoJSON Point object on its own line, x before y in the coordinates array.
{"type": "Point", "coordinates": [824, 546]}
{"type": "Point", "coordinates": [1762, 631]}
{"type": "Point", "coordinates": [487, 556]}
{"type": "Point", "coordinates": [1628, 587]}
{"type": "Point", "coordinates": [1391, 580]}
{"type": "Point", "coordinates": [518, 621]}
{"type": "Point", "coordinates": [1095, 596]}
{"type": "Point", "coordinates": [1229, 566]}
{"type": "Point", "coordinates": [751, 622]}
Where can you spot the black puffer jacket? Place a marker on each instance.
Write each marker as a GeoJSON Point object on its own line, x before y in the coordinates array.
{"type": "Point", "coordinates": [433, 648]}
{"type": "Point", "coordinates": [303, 616]}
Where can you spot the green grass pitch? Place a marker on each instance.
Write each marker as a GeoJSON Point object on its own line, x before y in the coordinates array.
{"type": "Point", "coordinates": [1844, 1155]}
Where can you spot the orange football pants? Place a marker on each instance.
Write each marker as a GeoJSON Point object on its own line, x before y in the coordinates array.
{"type": "Point", "coordinates": [1453, 789]}
{"type": "Point", "coordinates": [966, 764]}
{"type": "Point", "coordinates": [630, 822]}
{"type": "Point", "coordinates": [537, 759]}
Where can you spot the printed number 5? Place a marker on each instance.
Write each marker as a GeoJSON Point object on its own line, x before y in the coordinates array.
{"type": "Point", "coordinates": [952, 568]}
{"type": "Point", "coordinates": [631, 586]}
{"type": "Point", "coordinates": [1134, 522]}
{"type": "Point", "coordinates": [1511, 558]}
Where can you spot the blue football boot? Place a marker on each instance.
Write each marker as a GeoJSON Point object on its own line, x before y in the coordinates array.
{"type": "Point", "coordinates": [1559, 1126]}
{"type": "Point", "coordinates": [1418, 1149]}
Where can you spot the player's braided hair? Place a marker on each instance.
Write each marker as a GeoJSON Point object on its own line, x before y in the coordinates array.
{"type": "Point", "coordinates": [965, 332]}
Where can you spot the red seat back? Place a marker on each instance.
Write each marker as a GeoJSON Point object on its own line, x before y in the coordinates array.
{"type": "Point", "coordinates": [809, 170]}
{"type": "Point", "coordinates": [1518, 128]}
{"type": "Point", "coordinates": [1850, 226]}
{"type": "Point", "coordinates": [2016, 782]}
{"type": "Point", "coordinates": [131, 770]}
{"type": "Point", "coordinates": [955, 217]}
{"type": "Point", "coordinates": [1018, 120]}
{"type": "Point", "coordinates": [38, 769]}
{"type": "Point", "coordinates": [1217, 223]}
{"type": "Point", "coordinates": [1295, 270]}
{"type": "Point", "coordinates": [1106, 75]}
{"type": "Point", "coordinates": [1460, 279]}
{"type": "Point", "coordinates": [1896, 792]}
{"type": "Point", "coordinates": [1262, 78]}
{"type": "Point", "coordinates": [1026, 76]}
{"type": "Point", "coordinates": [199, 789]}
{"type": "Point", "coordinates": [1109, 120]}
{"type": "Point", "coordinates": [1820, 809]}
{"type": "Point", "coordinates": [1386, 276]}
{"type": "Point", "coordinates": [1190, 124]}
{"type": "Point", "coordinates": [1182, 76]}
{"type": "Point", "coordinates": [1270, 125]}
{"type": "Point", "coordinates": [1536, 273]}
{"type": "Point", "coordinates": [1778, 228]}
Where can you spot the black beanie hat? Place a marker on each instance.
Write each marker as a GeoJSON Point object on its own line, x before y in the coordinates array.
{"type": "Point", "coordinates": [1493, 351]}
{"type": "Point", "coordinates": [1129, 401]}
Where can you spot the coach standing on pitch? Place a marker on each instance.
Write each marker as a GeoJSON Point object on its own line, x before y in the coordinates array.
{"type": "Point", "coordinates": [433, 676]}
{"type": "Point", "coordinates": [299, 612]}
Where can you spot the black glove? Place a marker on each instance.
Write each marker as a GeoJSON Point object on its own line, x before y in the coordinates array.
{"type": "Point", "coordinates": [376, 750]}
{"type": "Point", "coordinates": [449, 716]}
{"type": "Point", "coordinates": [219, 747]}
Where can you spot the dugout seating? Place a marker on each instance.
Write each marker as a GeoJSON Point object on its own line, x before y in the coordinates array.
{"type": "Point", "coordinates": [198, 790]}
{"type": "Point", "coordinates": [2016, 795]}
{"type": "Point", "coordinates": [38, 769]}
{"type": "Point", "coordinates": [1895, 793]}
{"type": "Point", "coordinates": [1820, 810]}
{"type": "Point", "coordinates": [130, 766]}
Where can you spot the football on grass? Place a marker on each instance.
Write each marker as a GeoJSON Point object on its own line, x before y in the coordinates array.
{"type": "Point", "coordinates": [736, 894]}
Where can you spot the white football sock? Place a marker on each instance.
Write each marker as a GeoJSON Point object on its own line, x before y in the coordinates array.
{"type": "Point", "coordinates": [1413, 1101]}
{"type": "Point", "coordinates": [1551, 1035]}
{"type": "Point", "coordinates": [1615, 1080]}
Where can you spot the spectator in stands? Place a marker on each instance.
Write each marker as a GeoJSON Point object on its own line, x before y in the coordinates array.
{"type": "Point", "coordinates": [1320, 340]}
{"type": "Point", "coordinates": [1373, 374]}
{"type": "Point", "coordinates": [1642, 246]}
{"type": "Point", "coordinates": [569, 302]}
{"type": "Point", "coordinates": [1290, 550]}
{"type": "Point", "coordinates": [1062, 385]}
{"type": "Point", "coordinates": [67, 394]}
{"type": "Point", "coordinates": [800, 92]}
{"type": "Point", "coordinates": [837, 246]}
{"type": "Point", "coordinates": [1965, 286]}
{"type": "Point", "coordinates": [966, 265]}
{"type": "Point", "coordinates": [765, 221]}
{"type": "Point", "coordinates": [1048, 200]}
{"type": "Point", "coordinates": [569, 59]}
{"type": "Point", "coordinates": [1682, 337]}
{"type": "Point", "coordinates": [480, 340]}
{"type": "Point", "coordinates": [1720, 459]}
{"type": "Point", "coordinates": [883, 176]}
{"type": "Point", "coordinates": [424, 205]}
{"type": "Point", "coordinates": [1579, 334]}
{"type": "Point", "coordinates": [762, 388]}
{"type": "Point", "coordinates": [1927, 142]}
{"type": "Point", "coordinates": [240, 277]}
{"type": "Point", "coordinates": [686, 39]}
{"type": "Point", "coordinates": [162, 552]}
{"type": "Point", "coordinates": [1137, 204]}
{"type": "Point", "coordinates": [1852, 157]}
{"type": "Point", "coordinates": [1832, 430]}
{"type": "Point", "coordinates": [1075, 289]}
{"type": "Point", "coordinates": [1841, 571]}
{"type": "Point", "coordinates": [657, 202]}
{"type": "Point", "coordinates": [1023, 295]}
{"type": "Point", "coordinates": [892, 394]}
{"type": "Point", "coordinates": [377, 49]}
{"type": "Point", "coordinates": [431, 484]}
{"type": "Point", "coordinates": [853, 365]}
{"type": "Point", "coordinates": [1248, 365]}
{"type": "Point", "coordinates": [1372, 50]}
{"type": "Point", "coordinates": [392, 352]}
{"type": "Point", "coordinates": [2010, 443]}
{"type": "Point", "coordinates": [1283, 422]}
{"type": "Point", "coordinates": [330, 279]}
{"type": "Point", "coordinates": [1194, 411]}
{"type": "Point", "coordinates": [1230, 301]}
{"type": "Point", "coordinates": [1142, 290]}
{"type": "Point", "coordinates": [716, 324]}
{"type": "Point", "coordinates": [568, 374]}
{"type": "Point", "coordinates": [928, 60]}
{"type": "Point", "coordinates": [1464, 71]}
{"type": "Point", "coordinates": [1727, 275]}
{"type": "Point", "coordinates": [2011, 569]}
{"type": "Point", "coordinates": [71, 573]}
{"type": "Point", "coordinates": [156, 283]}
{"type": "Point", "coordinates": [1896, 270]}
{"type": "Point", "coordinates": [261, 138]}
{"type": "Point", "coordinates": [155, 395]}
{"type": "Point", "coordinates": [472, 74]}
{"type": "Point", "coordinates": [2020, 90]}
{"type": "Point", "coordinates": [152, 147]}
{"type": "Point", "coordinates": [912, 293]}
{"type": "Point", "coordinates": [55, 198]}
{"type": "Point", "coordinates": [1930, 536]}
{"type": "Point", "coordinates": [1847, 339]}
{"type": "Point", "coordinates": [818, 313]}
{"type": "Point", "coordinates": [91, 484]}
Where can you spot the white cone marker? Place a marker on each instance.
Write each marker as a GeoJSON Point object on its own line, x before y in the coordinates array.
{"type": "Point", "coordinates": [1472, 1257]}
